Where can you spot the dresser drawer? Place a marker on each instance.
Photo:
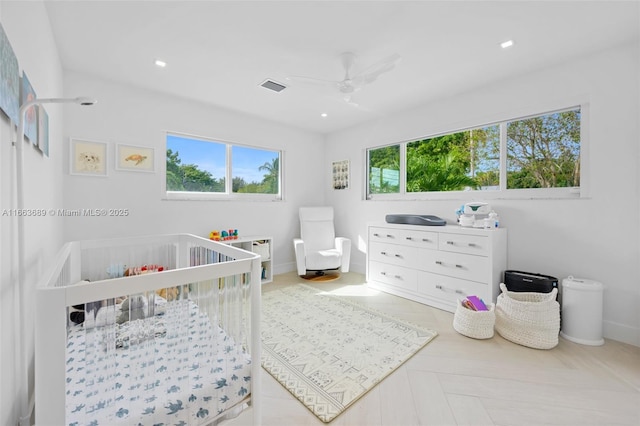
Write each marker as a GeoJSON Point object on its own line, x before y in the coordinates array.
{"type": "Point", "coordinates": [396, 276]}
{"type": "Point", "coordinates": [412, 238]}
{"type": "Point", "coordinates": [465, 266]}
{"type": "Point", "coordinates": [451, 289]}
{"type": "Point", "coordinates": [401, 255]}
{"type": "Point", "coordinates": [463, 243]}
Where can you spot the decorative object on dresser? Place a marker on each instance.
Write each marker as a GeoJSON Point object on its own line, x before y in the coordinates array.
{"type": "Point", "coordinates": [328, 351]}
{"type": "Point", "coordinates": [318, 249]}
{"type": "Point", "coordinates": [436, 266]}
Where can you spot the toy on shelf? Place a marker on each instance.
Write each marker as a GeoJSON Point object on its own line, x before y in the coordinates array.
{"type": "Point", "coordinates": [225, 235]}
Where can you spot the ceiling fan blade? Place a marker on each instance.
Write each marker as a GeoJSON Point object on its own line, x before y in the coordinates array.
{"type": "Point", "coordinates": [312, 80]}
{"type": "Point", "coordinates": [371, 73]}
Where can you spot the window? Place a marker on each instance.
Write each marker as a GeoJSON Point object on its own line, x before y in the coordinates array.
{"type": "Point", "coordinates": [467, 160]}
{"type": "Point", "coordinates": [384, 170]}
{"type": "Point", "coordinates": [544, 151]}
{"type": "Point", "coordinates": [255, 171]}
{"type": "Point", "coordinates": [202, 168]}
{"type": "Point", "coordinates": [537, 152]}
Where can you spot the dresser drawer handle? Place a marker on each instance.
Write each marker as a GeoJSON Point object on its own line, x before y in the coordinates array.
{"type": "Point", "coordinates": [384, 253]}
{"type": "Point", "coordinates": [408, 238]}
{"type": "Point", "coordinates": [459, 266]}
{"type": "Point", "coordinates": [457, 291]}
{"type": "Point", "coordinates": [472, 244]}
{"type": "Point", "coordinates": [383, 273]}
{"type": "Point", "coordinates": [399, 256]}
{"type": "Point", "coordinates": [438, 262]}
{"type": "Point", "coordinates": [450, 243]}
{"type": "Point", "coordinates": [375, 234]}
{"type": "Point", "coordinates": [398, 277]}
{"type": "Point", "coordinates": [426, 240]}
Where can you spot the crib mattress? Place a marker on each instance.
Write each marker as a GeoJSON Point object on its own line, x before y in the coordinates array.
{"type": "Point", "coordinates": [171, 369]}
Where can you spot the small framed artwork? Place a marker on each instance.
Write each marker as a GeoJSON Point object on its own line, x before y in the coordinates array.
{"type": "Point", "coordinates": [43, 133]}
{"type": "Point", "coordinates": [88, 158]}
{"type": "Point", "coordinates": [27, 94]}
{"type": "Point", "coordinates": [340, 173]}
{"type": "Point", "coordinates": [10, 78]}
{"type": "Point", "coordinates": [135, 158]}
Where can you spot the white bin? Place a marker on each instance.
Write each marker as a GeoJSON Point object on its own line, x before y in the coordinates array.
{"type": "Point", "coordinates": [582, 311]}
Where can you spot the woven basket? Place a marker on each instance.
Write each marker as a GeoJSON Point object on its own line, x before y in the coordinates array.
{"type": "Point", "coordinates": [527, 318]}
{"type": "Point", "coordinates": [475, 324]}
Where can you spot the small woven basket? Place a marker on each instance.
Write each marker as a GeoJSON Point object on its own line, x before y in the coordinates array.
{"type": "Point", "coordinates": [474, 324]}
{"type": "Point", "coordinates": [528, 318]}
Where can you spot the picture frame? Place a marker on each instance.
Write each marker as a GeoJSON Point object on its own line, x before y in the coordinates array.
{"type": "Point", "coordinates": [135, 158]}
{"type": "Point", "coordinates": [43, 132]}
{"type": "Point", "coordinates": [27, 94]}
{"type": "Point", "coordinates": [340, 175]}
{"type": "Point", "coordinates": [88, 158]}
{"type": "Point", "coordinates": [10, 78]}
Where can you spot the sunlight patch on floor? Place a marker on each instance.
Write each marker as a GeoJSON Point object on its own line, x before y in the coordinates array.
{"type": "Point", "coordinates": [352, 290]}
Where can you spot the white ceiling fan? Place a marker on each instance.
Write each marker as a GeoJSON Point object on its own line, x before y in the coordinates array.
{"type": "Point", "coordinates": [352, 82]}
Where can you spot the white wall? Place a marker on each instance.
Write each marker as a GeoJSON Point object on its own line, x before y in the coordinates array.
{"type": "Point", "coordinates": [27, 27]}
{"type": "Point", "coordinates": [138, 117]}
{"type": "Point", "coordinates": [595, 238]}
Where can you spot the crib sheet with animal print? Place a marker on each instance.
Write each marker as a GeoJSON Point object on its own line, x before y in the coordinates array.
{"type": "Point", "coordinates": [175, 368]}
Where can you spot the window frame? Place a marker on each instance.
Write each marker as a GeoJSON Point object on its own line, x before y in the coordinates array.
{"type": "Point", "coordinates": [228, 194]}
{"type": "Point", "coordinates": [492, 194]}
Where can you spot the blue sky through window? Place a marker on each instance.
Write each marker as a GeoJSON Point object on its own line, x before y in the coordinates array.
{"type": "Point", "coordinates": [211, 156]}
{"type": "Point", "coordinates": [247, 161]}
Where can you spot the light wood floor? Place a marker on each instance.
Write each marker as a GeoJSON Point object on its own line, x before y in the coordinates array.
{"type": "Point", "coordinates": [456, 380]}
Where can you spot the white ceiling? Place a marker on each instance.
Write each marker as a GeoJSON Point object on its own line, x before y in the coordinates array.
{"type": "Point", "coordinates": [218, 52]}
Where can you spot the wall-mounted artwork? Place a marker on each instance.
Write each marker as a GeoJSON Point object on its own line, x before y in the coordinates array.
{"type": "Point", "coordinates": [135, 158]}
{"type": "Point", "coordinates": [88, 158]}
{"type": "Point", "coordinates": [43, 133]}
{"type": "Point", "coordinates": [340, 173]}
{"type": "Point", "coordinates": [9, 79]}
{"type": "Point", "coordinates": [27, 94]}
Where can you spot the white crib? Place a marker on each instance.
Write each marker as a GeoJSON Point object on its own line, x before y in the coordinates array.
{"type": "Point", "coordinates": [177, 341]}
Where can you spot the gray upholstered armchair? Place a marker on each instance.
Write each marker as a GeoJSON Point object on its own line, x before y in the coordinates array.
{"type": "Point", "coordinates": [318, 249]}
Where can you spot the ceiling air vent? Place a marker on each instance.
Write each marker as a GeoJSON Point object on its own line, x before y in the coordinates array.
{"type": "Point", "coordinates": [272, 85]}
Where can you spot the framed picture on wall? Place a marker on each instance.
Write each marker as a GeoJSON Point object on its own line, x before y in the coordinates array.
{"type": "Point", "coordinates": [10, 79]}
{"type": "Point", "coordinates": [88, 158]}
{"type": "Point", "coordinates": [43, 133]}
{"type": "Point", "coordinates": [135, 158]}
{"type": "Point", "coordinates": [340, 174]}
{"type": "Point", "coordinates": [27, 94]}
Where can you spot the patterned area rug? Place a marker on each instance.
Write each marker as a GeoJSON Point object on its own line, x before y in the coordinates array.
{"type": "Point", "coordinates": [328, 351]}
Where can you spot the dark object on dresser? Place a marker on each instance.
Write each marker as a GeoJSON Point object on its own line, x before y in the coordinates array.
{"type": "Point", "coordinates": [415, 219]}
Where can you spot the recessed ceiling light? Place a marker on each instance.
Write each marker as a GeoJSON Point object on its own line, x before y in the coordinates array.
{"type": "Point", "coordinates": [323, 115]}
{"type": "Point", "coordinates": [506, 44]}
{"type": "Point", "coordinates": [160, 63]}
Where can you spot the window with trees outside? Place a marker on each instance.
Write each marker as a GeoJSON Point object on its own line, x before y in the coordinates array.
{"type": "Point", "coordinates": [539, 152]}
{"type": "Point", "coordinates": [204, 168]}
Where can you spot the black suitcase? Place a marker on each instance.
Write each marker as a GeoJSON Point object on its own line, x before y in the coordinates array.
{"type": "Point", "coordinates": [529, 281]}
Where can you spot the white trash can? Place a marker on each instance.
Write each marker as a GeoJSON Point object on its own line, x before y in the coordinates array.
{"type": "Point", "coordinates": [582, 311]}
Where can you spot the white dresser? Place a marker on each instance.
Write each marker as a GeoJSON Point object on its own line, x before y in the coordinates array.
{"type": "Point", "coordinates": [436, 265]}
